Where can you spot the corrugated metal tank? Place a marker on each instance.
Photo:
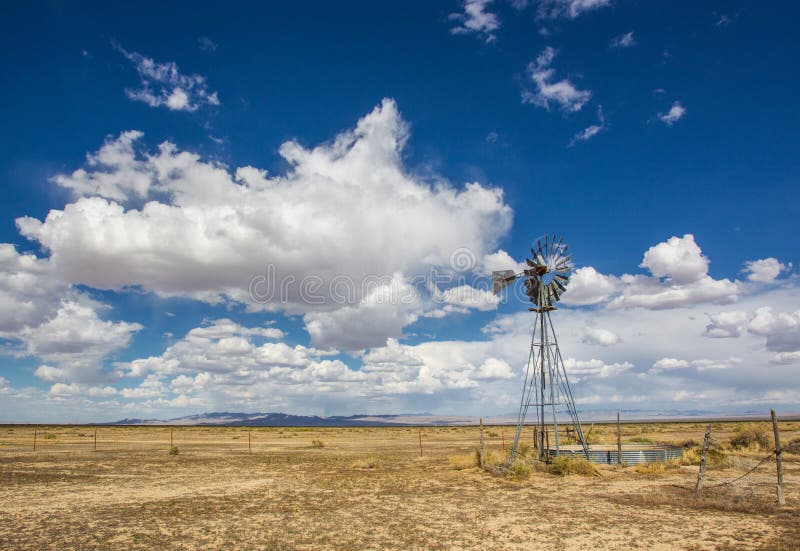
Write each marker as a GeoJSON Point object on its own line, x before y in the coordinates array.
{"type": "Point", "coordinates": [631, 455]}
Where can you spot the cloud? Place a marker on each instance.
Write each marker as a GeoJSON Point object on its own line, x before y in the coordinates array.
{"type": "Point", "coordinates": [786, 358]}
{"type": "Point", "coordinates": [782, 330]}
{"type": "Point", "coordinates": [547, 91]}
{"type": "Point", "coordinates": [588, 286]}
{"type": "Point", "coordinates": [675, 113]}
{"type": "Point", "coordinates": [672, 364]}
{"type": "Point", "coordinates": [679, 277]}
{"type": "Point", "coordinates": [625, 40]}
{"type": "Point", "coordinates": [206, 44]}
{"type": "Point", "coordinates": [678, 259]}
{"type": "Point", "coordinates": [590, 131]}
{"type": "Point", "coordinates": [555, 9]}
{"type": "Point", "coordinates": [76, 340]}
{"type": "Point", "coordinates": [476, 20]}
{"type": "Point", "coordinates": [347, 212]}
{"type": "Point", "coordinates": [724, 325]}
{"type": "Point", "coordinates": [493, 368]}
{"type": "Point", "coordinates": [30, 291]}
{"type": "Point", "coordinates": [578, 369]}
{"type": "Point", "coordinates": [599, 337]}
{"type": "Point", "coordinates": [765, 270]}
{"type": "Point", "coordinates": [163, 85]}
{"type": "Point", "coordinates": [49, 373]}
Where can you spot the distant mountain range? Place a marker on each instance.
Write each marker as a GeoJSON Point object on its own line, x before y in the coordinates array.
{"type": "Point", "coordinates": [225, 418]}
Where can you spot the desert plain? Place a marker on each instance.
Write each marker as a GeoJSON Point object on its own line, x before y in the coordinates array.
{"type": "Point", "coordinates": [149, 487]}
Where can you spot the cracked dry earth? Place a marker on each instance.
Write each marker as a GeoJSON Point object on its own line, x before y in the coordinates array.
{"type": "Point", "coordinates": [364, 489]}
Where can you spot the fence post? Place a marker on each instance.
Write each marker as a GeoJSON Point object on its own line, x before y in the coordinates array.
{"type": "Point", "coordinates": [34, 438]}
{"type": "Point", "coordinates": [170, 438]}
{"type": "Point", "coordinates": [781, 500]}
{"type": "Point", "coordinates": [420, 442]}
{"type": "Point", "coordinates": [701, 473]}
{"type": "Point", "coordinates": [503, 437]}
{"type": "Point", "coordinates": [482, 452]}
{"type": "Point", "coordinates": [95, 439]}
{"type": "Point", "coordinates": [249, 446]}
{"type": "Point", "coordinates": [619, 442]}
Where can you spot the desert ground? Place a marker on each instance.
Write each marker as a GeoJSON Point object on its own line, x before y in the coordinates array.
{"type": "Point", "coordinates": [369, 488]}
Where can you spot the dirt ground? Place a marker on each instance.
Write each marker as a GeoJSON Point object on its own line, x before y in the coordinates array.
{"type": "Point", "coordinates": [369, 488]}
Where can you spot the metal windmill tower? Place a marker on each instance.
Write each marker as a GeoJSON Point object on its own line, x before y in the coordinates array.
{"type": "Point", "coordinates": [546, 386]}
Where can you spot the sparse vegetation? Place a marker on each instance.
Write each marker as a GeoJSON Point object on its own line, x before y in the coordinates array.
{"type": "Point", "coordinates": [317, 443]}
{"type": "Point", "coordinates": [754, 438]}
{"type": "Point", "coordinates": [793, 446]}
{"type": "Point", "coordinates": [639, 440]}
{"type": "Point", "coordinates": [572, 464]}
{"type": "Point", "coordinates": [369, 462]}
{"type": "Point", "coordinates": [173, 450]}
{"type": "Point", "coordinates": [652, 469]}
{"type": "Point", "coordinates": [715, 459]}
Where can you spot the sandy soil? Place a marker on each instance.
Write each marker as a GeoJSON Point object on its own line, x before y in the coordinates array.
{"type": "Point", "coordinates": [368, 489]}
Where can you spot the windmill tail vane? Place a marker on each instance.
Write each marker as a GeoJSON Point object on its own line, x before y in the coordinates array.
{"type": "Point", "coordinates": [546, 387]}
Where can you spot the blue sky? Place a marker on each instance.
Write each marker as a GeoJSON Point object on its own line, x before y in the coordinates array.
{"type": "Point", "coordinates": [159, 160]}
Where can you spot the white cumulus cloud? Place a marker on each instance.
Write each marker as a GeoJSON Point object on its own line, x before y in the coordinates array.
{"type": "Point", "coordinates": [346, 211]}
{"type": "Point", "coordinates": [765, 270]}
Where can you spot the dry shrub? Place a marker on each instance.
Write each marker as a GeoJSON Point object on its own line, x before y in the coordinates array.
{"type": "Point", "coordinates": [715, 459]}
{"type": "Point", "coordinates": [520, 469]}
{"type": "Point", "coordinates": [572, 464]}
{"type": "Point", "coordinates": [465, 461]}
{"type": "Point", "coordinates": [49, 436]}
{"type": "Point", "coordinates": [652, 469]}
{"type": "Point", "coordinates": [793, 446]}
{"type": "Point", "coordinates": [369, 462]}
{"type": "Point", "coordinates": [752, 438]}
{"type": "Point", "coordinates": [639, 440]}
{"type": "Point", "coordinates": [317, 443]}
{"type": "Point", "coordinates": [173, 450]}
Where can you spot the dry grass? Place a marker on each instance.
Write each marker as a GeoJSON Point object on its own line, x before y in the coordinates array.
{"type": "Point", "coordinates": [572, 464]}
{"type": "Point", "coordinates": [369, 488]}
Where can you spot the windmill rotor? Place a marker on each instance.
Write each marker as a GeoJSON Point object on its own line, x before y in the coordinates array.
{"type": "Point", "coordinates": [547, 273]}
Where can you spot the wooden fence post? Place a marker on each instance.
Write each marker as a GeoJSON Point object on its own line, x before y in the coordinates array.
{"type": "Point", "coordinates": [34, 438]}
{"type": "Point", "coordinates": [619, 442]}
{"type": "Point", "coordinates": [482, 451]}
{"type": "Point", "coordinates": [701, 473]}
{"type": "Point", "coordinates": [170, 438]}
{"type": "Point", "coordinates": [781, 500]}
{"type": "Point", "coordinates": [95, 439]}
{"type": "Point", "coordinates": [249, 445]}
{"type": "Point", "coordinates": [503, 437]}
{"type": "Point", "coordinates": [420, 442]}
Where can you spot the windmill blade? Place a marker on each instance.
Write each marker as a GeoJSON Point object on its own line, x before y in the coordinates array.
{"type": "Point", "coordinates": [560, 286]}
{"type": "Point", "coordinates": [502, 279]}
{"type": "Point", "coordinates": [564, 279]}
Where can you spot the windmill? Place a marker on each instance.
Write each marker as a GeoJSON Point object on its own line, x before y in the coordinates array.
{"type": "Point", "coordinates": [546, 386]}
